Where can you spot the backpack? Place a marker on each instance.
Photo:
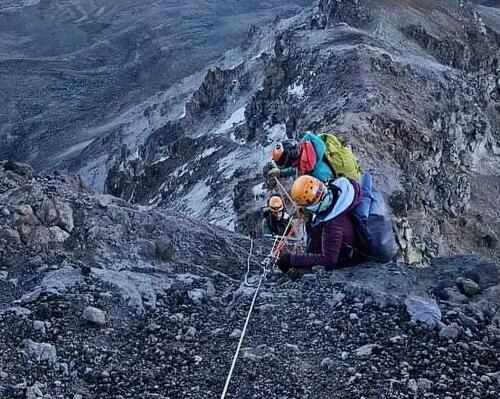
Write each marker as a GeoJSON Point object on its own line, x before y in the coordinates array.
{"type": "Point", "coordinates": [373, 223]}
{"type": "Point", "coordinates": [340, 158]}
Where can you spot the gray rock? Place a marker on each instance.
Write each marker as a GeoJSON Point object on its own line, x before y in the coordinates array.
{"type": "Point", "coordinates": [451, 331]}
{"type": "Point", "coordinates": [4, 275]}
{"type": "Point", "coordinates": [56, 234]}
{"type": "Point", "coordinates": [94, 315]}
{"type": "Point", "coordinates": [366, 350]}
{"type": "Point", "coordinates": [40, 351]}
{"type": "Point", "coordinates": [424, 385]}
{"type": "Point", "coordinates": [20, 169]}
{"type": "Point", "coordinates": [413, 385]}
{"type": "Point", "coordinates": [17, 310]}
{"type": "Point", "coordinates": [34, 392]}
{"type": "Point", "coordinates": [191, 332]}
{"type": "Point", "coordinates": [210, 289]}
{"type": "Point", "coordinates": [10, 235]}
{"type": "Point", "coordinates": [197, 295]}
{"type": "Point", "coordinates": [153, 327]}
{"type": "Point", "coordinates": [3, 375]}
{"type": "Point", "coordinates": [467, 286]}
{"type": "Point", "coordinates": [425, 310]}
{"type": "Point", "coordinates": [468, 322]}
{"type": "Point", "coordinates": [235, 334]}
{"type": "Point", "coordinates": [327, 363]}
{"type": "Point", "coordinates": [165, 249]}
{"type": "Point", "coordinates": [56, 213]}
{"type": "Point", "coordinates": [31, 297]}
{"type": "Point", "coordinates": [353, 316]}
{"type": "Point", "coordinates": [77, 396]}
{"type": "Point", "coordinates": [39, 326]}
{"type": "Point", "coordinates": [336, 299]}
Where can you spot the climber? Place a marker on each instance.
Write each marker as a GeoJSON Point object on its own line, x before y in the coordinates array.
{"type": "Point", "coordinates": [323, 157]}
{"type": "Point", "coordinates": [334, 241]}
{"type": "Point", "coordinates": [305, 157]}
{"type": "Point", "coordinates": [276, 220]}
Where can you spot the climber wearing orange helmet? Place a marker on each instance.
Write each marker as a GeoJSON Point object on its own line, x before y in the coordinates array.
{"type": "Point", "coordinates": [334, 241]}
{"type": "Point", "coordinates": [304, 157]}
{"type": "Point", "coordinates": [276, 220]}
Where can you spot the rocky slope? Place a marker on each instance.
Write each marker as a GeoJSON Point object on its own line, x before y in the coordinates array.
{"type": "Point", "coordinates": [412, 86]}
{"type": "Point", "coordinates": [104, 299]}
{"type": "Point", "coordinates": [75, 70]}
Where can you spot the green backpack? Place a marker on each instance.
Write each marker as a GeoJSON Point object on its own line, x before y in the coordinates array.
{"type": "Point", "coordinates": [340, 158]}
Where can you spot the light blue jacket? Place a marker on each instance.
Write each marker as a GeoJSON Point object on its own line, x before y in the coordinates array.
{"type": "Point", "coordinates": [322, 169]}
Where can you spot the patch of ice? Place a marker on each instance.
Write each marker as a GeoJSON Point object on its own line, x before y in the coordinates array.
{"type": "Point", "coordinates": [194, 201]}
{"type": "Point", "coordinates": [297, 90]}
{"type": "Point", "coordinates": [236, 118]}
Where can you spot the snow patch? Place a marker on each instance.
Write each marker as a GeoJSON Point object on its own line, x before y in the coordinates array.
{"type": "Point", "coordinates": [195, 200]}
{"type": "Point", "coordinates": [207, 152]}
{"type": "Point", "coordinates": [297, 90]}
{"type": "Point", "coordinates": [236, 118]}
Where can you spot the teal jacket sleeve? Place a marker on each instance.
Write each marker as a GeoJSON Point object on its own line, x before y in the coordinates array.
{"type": "Point", "coordinates": [288, 172]}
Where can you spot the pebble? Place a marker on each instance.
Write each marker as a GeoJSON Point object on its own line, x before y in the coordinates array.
{"type": "Point", "coordinates": [197, 296]}
{"type": "Point", "coordinates": [191, 332]}
{"type": "Point", "coordinates": [467, 286]}
{"type": "Point", "coordinates": [353, 316]}
{"type": "Point", "coordinates": [424, 384]}
{"type": "Point", "coordinates": [235, 334]}
{"type": "Point", "coordinates": [451, 331]}
{"type": "Point", "coordinates": [94, 315]}
{"type": "Point", "coordinates": [41, 351]}
{"type": "Point", "coordinates": [326, 363]}
{"type": "Point", "coordinates": [153, 327]}
{"type": "Point", "coordinates": [366, 350]}
{"type": "Point", "coordinates": [39, 326]}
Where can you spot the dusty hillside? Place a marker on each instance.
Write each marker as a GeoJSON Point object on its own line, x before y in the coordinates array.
{"type": "Point", "coordinates": [103, 299]}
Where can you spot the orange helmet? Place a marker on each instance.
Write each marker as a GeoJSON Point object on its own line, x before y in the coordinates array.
{"type": "Point", "coordinates": [277, 152]}
{"type": "Point", "coordinates": [286, 153]}
{"type": "Point", "coordinates": [275, 203]}
{"type": "Point", "coordinates": [307, 190]}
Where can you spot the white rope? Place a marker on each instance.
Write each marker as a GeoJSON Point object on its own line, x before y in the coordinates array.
{"type": "Point", "coordinates": [270, 262]}
{"type": "Point", "coordinates": [248, 264]}
{"type": "Point", "coordinates": [226, 386]}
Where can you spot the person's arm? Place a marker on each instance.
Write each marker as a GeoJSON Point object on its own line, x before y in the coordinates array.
{"type": "Point", "coordinates": [288, 172]}
{"type": "Point", "coordinates": [331, 242]}
{"type": "Point", "coordinates": [265, 227]}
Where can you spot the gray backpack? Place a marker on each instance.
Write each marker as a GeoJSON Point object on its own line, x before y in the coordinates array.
{"type": "Point", "coordinates": [373, 223]}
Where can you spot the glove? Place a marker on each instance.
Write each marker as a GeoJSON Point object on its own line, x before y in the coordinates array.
{"type": "Point", "coordinates": [274, 172]}
{"type": "Point", "coordinates": [284, 263]}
